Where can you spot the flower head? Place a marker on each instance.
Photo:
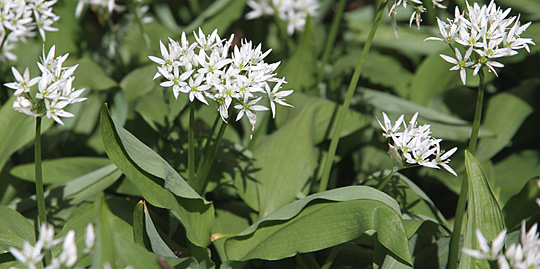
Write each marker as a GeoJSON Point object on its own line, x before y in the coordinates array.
{"type": "Point", "coordinates": [294, 13]}
{"type": "Point", "coordinates": [206, 71]}
{"type": "Point", "coordinates": [414, 145]}
{"type": "Point", "coordinates": [486, 31]}
{"type": "Point", "coordinates": [55, 89]}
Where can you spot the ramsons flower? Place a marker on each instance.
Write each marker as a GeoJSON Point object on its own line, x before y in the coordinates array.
{"type": "Point", "coordinates": [293, 12]}
{"type": "Point", "coordinates": [418, 10]}
{"type": "Point", "coordinates": [20, 19]}
{"type": "Point", "coordinates": [482, 34]}
{"type": "Point", "coordinates": [206, 71]}
{"type": "Point", "coordinates": [55, 90]}
{"type": "Point", "coordinates": [414, 145]}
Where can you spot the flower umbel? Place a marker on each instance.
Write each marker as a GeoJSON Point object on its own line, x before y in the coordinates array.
{"type": "Point", "coordinates": [54, 89]}
{"type": "Point", "coordinates": [414, 145]}
{"type": "Point", "coordinates": [484, 30]}
{"type": "Point", "coordinates": [206, 71]}
{"type": "Point", "coordinates": [293, 12]}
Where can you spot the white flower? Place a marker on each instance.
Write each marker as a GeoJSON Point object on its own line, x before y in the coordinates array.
{"type": "Point", "coordinates": [414, 145]}
{"type": "Point", "coordinates": [55, 91]}
{"type": "Point", "coordinates": [195, 88]}
{"type": "Point", "coordinates": [486, 251]}
{"type": "Point", "coordinates": [461, 63]}
{"type": "Point", "coordinates": [30, 256]}
{"type": "Point", "coordinates": [293, 12]}
{"type": "Point", "coordinates": [69, 250]}
{"type": "Point", "coordinates": [249, 109]}
{"type": "Point", "coordinates": [275, 96]}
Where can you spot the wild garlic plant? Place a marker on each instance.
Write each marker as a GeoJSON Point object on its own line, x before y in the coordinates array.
{"type": "Point", "coordinates": [32, 256]}
{"type": "Point", "coordinates": [416, 16]}
{"type": "Point", "coordinates": [54, 93]}
{"type": "Point", "coordinates": [205, 70]}
{"type": "Point", "coordinates": [293, 12]}
{"type": "Point", "coordinates": [480, 35]}
{"type": "Point", "coordinates": [21, 19]}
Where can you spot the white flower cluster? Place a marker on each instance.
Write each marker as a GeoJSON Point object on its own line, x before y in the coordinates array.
{"type": "Point", "coordinates": [485, 31]}
{"type": "Point", "coordinates": [30, 256]}
{"type": "Point", "coordinates": [415, 146]}
{"type": "Point", "coordinates": [205, 70]}
{"type": "Point", "coordinates": [524, 255]}
{"type": "Point", "coordinates": [54, 93]}
{"type": "Point", "coordinates": [293, 12]}
{"type": "Point", "coordinates": [418, 7]}
{"type": "Point", "coordinates": [19, 19]}
{"type": "Point", "coordinates": [102, 5]}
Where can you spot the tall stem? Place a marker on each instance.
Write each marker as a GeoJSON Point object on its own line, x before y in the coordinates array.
{"type": "Point", "coordinates": [202, 175]}
{"type": "Point", "coordinates": [385, 181]}
{"type": "Point", "coordinates": [40, 197]}
{"type": "Point", "coordinates": [350, 92]}
{"type": "Point", "coordinates": [332, 37]}
{"type": "Point", "coordinates": [191, 146]}
{"type": "Point", "coordinates": [477, 113]}
{"type": "Point", "coordinates": [462, 200]}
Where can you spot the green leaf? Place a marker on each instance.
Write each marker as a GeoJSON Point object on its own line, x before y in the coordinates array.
{"type": "Point", "coordinates": [483, 211]}
{"type": "Point", "coordinates": [504, 115]}
{"type": "Point", "coordinates": [19, 130]}
{"type": "Point", "coordinates": [14, 229]}
{"type": "Point", "coordinates": [304, 78]}
{"type": "Point", "coordinates": [138, 82]}
{"type": "Point", "coordinates": [62, 169]}
{"type": "Point", "coordinates": [513, 172]}
{"type": "Point", "coordinates": [143, 166]}
{"type": "Point", "coordinates": [289, 157]}
{"type": "Point", "coordinates": [522, 205]}
{"type": "Point", "coordinates": [309, 224]}
{"type": "Point", "coordinates": [114, 249]}
{"type": "Point", "coordinates": [90, 75]}
{"type": "Point", "coordinates": [158, 245]}
{"type": "Point", "coordinates": [138, 223]}
{"type": "Point", "coordinates": [220, 15]}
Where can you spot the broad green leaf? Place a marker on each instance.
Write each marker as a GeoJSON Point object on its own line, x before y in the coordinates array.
{"type": "Point", "coordinates": [159, 247]}
{"type": "Point", "coordinates": [288, 157]}
{"type": "Point", "coordinates": [114, 249]}
{"type": "Point", "coordinates": [504, 115]}
{"type": "Point", "coordinates": [300, 70]}
{"type": "Point", "coordinates": [413, 201]}
{"type": "Point", "coordinates": [153, 109]}
{"type": "Point", "coordinates": [143, 166]}
{"type": "Point", "coordinates": [138, 223]}
{"type": "Point", "coordinates": [432, 78]}
{"type": "Point", "coordinates": [14, 229]}
{"type": "Point", "coordinates": [77, 190]}
{"type": "Point", "coordinates": [483, 211]}
{"type": "Point", "coordinates": [139, 82]}
{"type": "Point", "coordinates": [513, 172]}
{"type": "Point", "coordinates": [61, 170]}
{"type": "Point", "coordinates": [310, 224]}
{"type": "Point", "coordinates": [522, 205]}
{"type": "Point", "coordinates": [91, 75]}
{"type": "Point", "coordinates": [231, 220]}
{"type": "Point", "coordinates": [18, 130]}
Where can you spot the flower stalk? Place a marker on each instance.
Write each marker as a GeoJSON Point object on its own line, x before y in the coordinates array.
{"type": "Point", "coordinates": [40, 197]}
{"type": "Point", "coordinates": [331, 37]}
{"type": "Point", "coordinates": [346, 104]}
{"type": "Point", "coordinates": [202, 173]}
{"type": "Point", "coordinates": [191, 146]}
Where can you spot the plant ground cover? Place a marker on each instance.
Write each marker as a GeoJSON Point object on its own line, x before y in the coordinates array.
{"type": "Point", "coordinates": [268, 134]}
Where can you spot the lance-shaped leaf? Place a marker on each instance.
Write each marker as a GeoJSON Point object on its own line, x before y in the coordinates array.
{"type": "Point", "coordinates": [14, 229]}
{"type": "Point", "coordinates": [483, 212]}
{"type": "Point", "coordinates": [143, 166]}
{"type": "Point", "coordinates": [320, 221]}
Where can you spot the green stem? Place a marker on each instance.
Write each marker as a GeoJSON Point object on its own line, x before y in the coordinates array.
{"type": "Point", "coordinates": [40, 197]}
{"type": "Point", "coordinates": [331, 37]}
{"type": "Point", "coordinates": [462, 200]}
{"type": "Point", "coordinates": [283, 31]}
{"type": "Point", "coordinates": [385, 181]}
{"type": "Point", "coordinates": [191, 146]}
{"type": "Point", "coordinates": [206, 151]}
{"type": "Point", "coordinates": [477, 113]}
{"type": "Point", "coordinates": [350, 92]}
{"type": "Point", "coordinates": [333, 254]}
{"type": "Point", "coordinates": [202, 176]}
